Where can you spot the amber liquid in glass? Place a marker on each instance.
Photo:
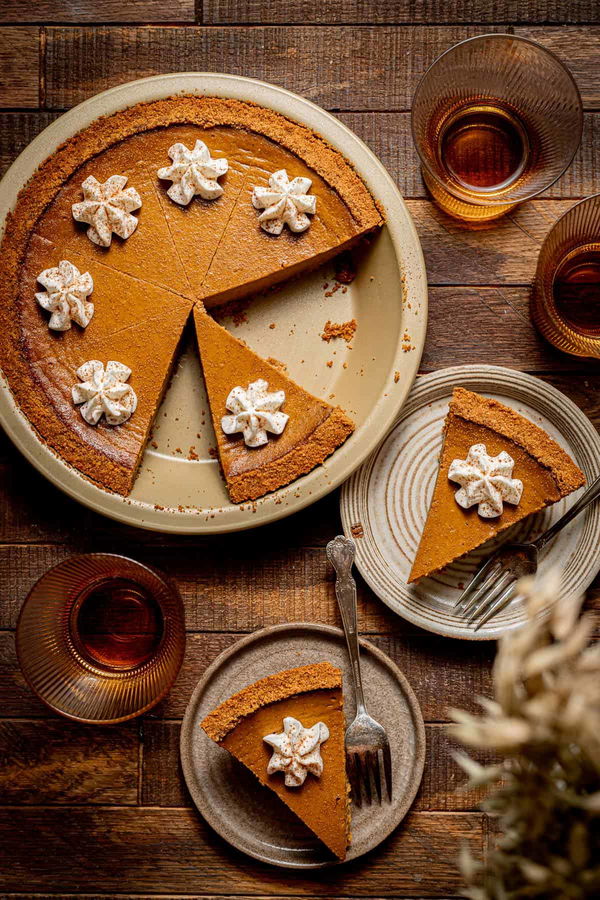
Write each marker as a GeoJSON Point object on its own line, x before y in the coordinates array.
{"type": "Point", "coordinates": [576, 289]}
{"type": "Point", "coordinates": [117, 624]}
{"type": "Point", "coordinates": [483, 147]}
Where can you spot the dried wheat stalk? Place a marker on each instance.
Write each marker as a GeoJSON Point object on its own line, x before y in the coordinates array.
{"type": "Point", "coordinates": [545, 722]}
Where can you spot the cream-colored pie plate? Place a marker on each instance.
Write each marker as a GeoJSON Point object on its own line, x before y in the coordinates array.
{"type": "Point", "coordinates": [179, 487]}
{"type": "Point", "coordinates": [385, 503]}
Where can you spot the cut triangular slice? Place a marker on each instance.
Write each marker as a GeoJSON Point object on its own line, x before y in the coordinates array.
{"type": "Point", "coordinates": [150, 252]}
{"type": "Point", "coordinates": [248, 260]}
{"type": "Point", "coordinates": [313, 431]}
{"type": "Point", "coordinates": [197, 228]}
{"type": "Point", "coordinates": [134, 323]}
{"type": "Point", "coordinates": [310, 694]}
{"type": "Point", "coordinates": [546, 470]}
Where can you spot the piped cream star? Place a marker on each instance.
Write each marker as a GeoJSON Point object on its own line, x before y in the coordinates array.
{"type": "Point", "coordinates": [284, 202]}
{"type": "Point", "coordinates": [297, 751]}
{"type": "Point", "coordinates": [104, 392]}
{"type": "Point", "coordinates": [65, 295]}
{"type": "Point", "coordinates": [106, 208]}
{"type": "Point", "coordinates": [254, 413]}
{"type": "Point", "coordinates": [193, 172]}
{"type": "Point", "coordinates": [485, 480]}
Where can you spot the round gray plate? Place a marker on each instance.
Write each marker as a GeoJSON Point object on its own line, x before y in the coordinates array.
{"type": "Point", "coordinates": [386, 501]}
{"type": "Point", "coordinates": [249, 815]}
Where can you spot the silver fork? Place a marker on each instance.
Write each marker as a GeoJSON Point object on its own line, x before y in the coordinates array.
{"type": "Point", "coordinates": [493, 586]}
{"type": "Point", "coordinates": [365, 737]}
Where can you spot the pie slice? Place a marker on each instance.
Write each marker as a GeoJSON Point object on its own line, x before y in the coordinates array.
{"type": "Point", "coordinates": [310, 694]}
{"type": "Point", "coordinates": [134, 323]}
{"type": "Point", "coordinates": [149, 252]}
{"type": "Point", "coordinates": [249, 260]}
{"type": "Point", "coordinates": [313, 431]}
{"type": "Point", "coordinates": [198, 227]}
{"type": "Point", "coordinates": [545, 469]}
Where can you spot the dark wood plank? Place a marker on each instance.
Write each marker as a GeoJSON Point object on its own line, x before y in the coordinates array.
{"type": "Point", "coordinates": [19, 66]}
{"type": "Point", "coordinates": [504, 251]}
{"type": "Point", "coordinates": [577, 47]}
{"type": "Point", "coordinates": [264, 12]}
{"type": "Point", "coordinates": [389, 136]}
{"type": "Point", "coordinates": [97, 11]}
{"type": "Point", "coordinates": [16, 698]}
{"type": "Point", "coordinates": [466, 324]}
{"type": "Point", "coordinates": [173, 851]}
{"type": "Point", "coordinates": [163, 783]}
{"type": "Point", "coordinates": [370, 68]}
{"type": "Point", "coordinates": [56, 761]}
{"type": "Point", "coordinates": [17, 130]}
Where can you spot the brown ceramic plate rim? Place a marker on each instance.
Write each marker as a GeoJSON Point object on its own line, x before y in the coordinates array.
{"type": "Point", "coordinates": [406, 249]}
{"type": "Point", "coordinates": [188, 726]}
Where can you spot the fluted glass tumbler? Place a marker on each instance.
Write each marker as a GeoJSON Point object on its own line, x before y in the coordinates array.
{"type": "Point", "coordinates": [101, 638]}
{"type": "Point", "coordinates": [496, 120]}
{"type": "Point", "coordinates": [565, 301]}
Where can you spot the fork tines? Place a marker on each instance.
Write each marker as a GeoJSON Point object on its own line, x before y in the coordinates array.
{"type": "Point", "coordinates": [490, 590]}
{"type": "Point", "coordinates": [364, 773]}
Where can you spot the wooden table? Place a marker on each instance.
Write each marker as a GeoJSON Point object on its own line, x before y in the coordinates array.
{"type": "Point", "coordinates": [90, 810]}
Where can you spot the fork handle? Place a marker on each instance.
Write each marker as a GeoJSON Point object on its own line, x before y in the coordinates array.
{"type": "Point", "coordinates": [588, 496]}
{"type": "Point", "coordinates": [340, 552]}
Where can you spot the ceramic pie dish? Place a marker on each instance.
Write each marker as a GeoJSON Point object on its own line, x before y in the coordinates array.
{"type": "Point", "coordinates": [179, 486]}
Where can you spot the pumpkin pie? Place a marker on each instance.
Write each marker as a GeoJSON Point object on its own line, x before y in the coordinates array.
{"type": "Point", "coordinates": [314, 428]}
{"type": "Point", "coordinates": [309, 695]}
{"type": "Point", "coordinates": [543, 473]}
{"type": "Point", "coordinates": [152, 257]}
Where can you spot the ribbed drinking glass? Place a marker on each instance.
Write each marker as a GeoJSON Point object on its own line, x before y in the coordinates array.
{"type": "Point", "coordinates": [496, 120]}
{"type": "Point", "coordinates": [101, 638]}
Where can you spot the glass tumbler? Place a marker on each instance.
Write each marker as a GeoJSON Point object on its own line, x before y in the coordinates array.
{"type": "Point", "coordinates": [496, 120]}
{"type": "Point", "coordinates": [100, 638]}
{"type": "Point", "coordinates": [565, 301]}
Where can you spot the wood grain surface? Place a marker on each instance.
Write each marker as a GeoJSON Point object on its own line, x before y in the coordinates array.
{"type": "Point", "coordinates": [100, 812]}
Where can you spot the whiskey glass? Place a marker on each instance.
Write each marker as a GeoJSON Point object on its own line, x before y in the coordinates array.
{"type": "Point", "coordinates": [496, 120]}
{"type": "Point", "coordinates": [565, 301]}
{"type": "Point", "coordinates": [100, 638]}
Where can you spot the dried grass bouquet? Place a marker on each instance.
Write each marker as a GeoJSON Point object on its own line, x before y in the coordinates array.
{"type": "Point", "coordinates": [545, 723]}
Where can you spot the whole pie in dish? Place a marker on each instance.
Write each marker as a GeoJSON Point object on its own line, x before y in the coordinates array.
{"type": "Point", "coordinates": [288, 729]}
{"type": "Point", "coordinates": [163, 208]}
{"type": "Point", "coordinates": [496, 468]}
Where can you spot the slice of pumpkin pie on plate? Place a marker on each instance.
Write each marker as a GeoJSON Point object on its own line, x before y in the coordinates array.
{"type": "Point", "coordinates": [496, 468]}
{"type": "Point", "coordinates": [288, 730]}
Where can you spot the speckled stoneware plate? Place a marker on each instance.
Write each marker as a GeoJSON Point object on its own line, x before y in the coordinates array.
{"type": "Point", "coordinates": [179, 487]}
{"type": "Point", "coordinates": [249, 815]}
{"type": "Point", "coordinates": [384, 505]}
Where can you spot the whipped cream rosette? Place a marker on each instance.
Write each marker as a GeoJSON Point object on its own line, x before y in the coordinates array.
{"type": "Point", "coordinates": [107, 208]}
{"type": "Point", "coordinates": [284, 202]}
{"type": "Point", "coordinates": [103, 392]}
{"type": "Point", "coordinates": [194, 172]}
{"type": "Point", "coordinates": [485, 480]}
{"type": "Point", "coordinates": [65, 295]}
{"type": "Point", "coordinates": [254, 412]}
{"type": "Point", "coordinates": [297, 751]}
